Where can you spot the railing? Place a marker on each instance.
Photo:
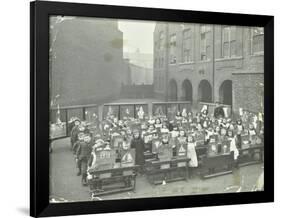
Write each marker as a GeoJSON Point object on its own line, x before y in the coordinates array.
{"type": "Point", "coordinates": [212, 106]}
{"type": "Point", "coordinates": [122, 110]}
{"type": "Point", "coordinates": [60, 117]}
{"type": "Point", "coordinates": [170, 108]}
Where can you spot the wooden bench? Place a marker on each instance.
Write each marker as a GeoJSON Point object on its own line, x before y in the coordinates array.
{"type": "Point", "coordinates": [217, 165]}
{"type": "Point", "coordinates": [167, 170]}
{"type": "Point", "coordinates": [247, 155]}
{"type": "Point", "coordinates": [112, 181]}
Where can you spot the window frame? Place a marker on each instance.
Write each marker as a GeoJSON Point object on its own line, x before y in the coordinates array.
{"type": "Point", "coordinates": [187, 45]}
{"type": "Point", "coordinates": [252, 35]}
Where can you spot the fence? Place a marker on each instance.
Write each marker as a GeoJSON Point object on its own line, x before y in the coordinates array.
{"type": "Point", "coordinates": [212, 107]}
{"type": "Point", "coordinates": [170, 108]}
{"type": "Point", "coordinates": [60, 117]}
{"type": "Point", "coordinates": [123, 110]}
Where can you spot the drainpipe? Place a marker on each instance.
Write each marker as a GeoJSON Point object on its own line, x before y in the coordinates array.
{"type": "Point", "coordinates": [213, 93]}
{"type": "Point", "coordinates": [166, 47]}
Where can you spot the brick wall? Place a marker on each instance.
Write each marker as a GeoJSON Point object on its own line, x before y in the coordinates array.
{"type": "Point", "coordinates": [198, 70]}
{"type": "Point", "coordinates": [248, 91]}
{"type": "Point", "coordinates": [87, 61]}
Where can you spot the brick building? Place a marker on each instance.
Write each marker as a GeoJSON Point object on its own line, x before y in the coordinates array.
{"type": "Point", "coordinates": [141, 65]}
{"type": "Point", "coordinates": [209, 63]}
{"type": "Point", "coordinates": [86, 60]}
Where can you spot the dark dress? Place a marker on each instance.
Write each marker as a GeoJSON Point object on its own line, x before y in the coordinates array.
{"type": "Point", "coordinates": [138, 145]}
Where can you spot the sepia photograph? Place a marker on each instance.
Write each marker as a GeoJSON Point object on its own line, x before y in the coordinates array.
{"type": "Point", "coordinates": [147, 109]}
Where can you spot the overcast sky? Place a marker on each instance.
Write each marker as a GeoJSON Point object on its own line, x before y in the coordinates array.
{"type": "Point", "coordinates": [137, 35]}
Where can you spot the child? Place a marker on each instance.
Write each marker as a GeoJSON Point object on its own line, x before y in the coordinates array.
{"type": "Point", "coordinates": [164, 129]}
{"type": "Point", "coordinates": [233, 148]}
{"type": "Point", "coordinates": [240, 129]}
{"type": "Point", "coordinates": [175, 132]}
{"type": "Point", "coordinates": [138, 144]}
{"type": "Point", "coordinates": [158, 124]}
{"type": "Point", "coordinates": [252, 133]}
{"type": "Point", "coordinates": [191, 153]}
{"type": "Point", "coordinates": [221, 138]}
{"type": "Point", "coordinates": [184, 113]}
{"type": "Point", "coordinates": [178, 117]}
{"type": "Point", "coordinates": [74, 132]}
{"type": "Point", "coordinates": [83, 154]}
{"type": "Point", "coordinates": [76, 144]}
{"type": "Point", "coordinates": [182, 136]}
{"type": "Point", "coordinates": [182, 141]}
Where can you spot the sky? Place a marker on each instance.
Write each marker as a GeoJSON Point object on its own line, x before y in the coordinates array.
{"type": "Point", "coordinates": [137, 35]}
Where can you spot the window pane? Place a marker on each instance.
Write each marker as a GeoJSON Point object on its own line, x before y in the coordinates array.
{"type": "Point", "coordinates": [233, 33]}
{"type": "Point", "coordinates": [186, 34]}
{"type": "Point", "coordinates": [226, 49]}
{"type": "Point", "coordinates": [258, 30]}
{"type": "Point", "coordinates": [173, 49]}
{"type": "Point", "coordinates": [186, 55]}
{"type": "Point", "coordinates": [226, 32]}
{"type": "Point", "coordinates": [233, 48]}
{"type": "Point", "coordinates": [258, 42]}
{"type": "Point", "coordinates": [161, 41]}
{"type": "Point", "coordinates": [208, 52]}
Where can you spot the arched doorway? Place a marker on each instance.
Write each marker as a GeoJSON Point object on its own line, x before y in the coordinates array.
{"type": "Point", "coordinates": [205, 91]}
{"type": "Point", "coordinates": [225, 92]}
{"type": "Point", "coordinates": [187, 90]}
{"type": "Point", "coordinates": [173, 90]}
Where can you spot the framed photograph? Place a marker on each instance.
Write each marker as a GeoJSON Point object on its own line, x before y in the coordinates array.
{"type": "Point", "coordinates": [101, 73]}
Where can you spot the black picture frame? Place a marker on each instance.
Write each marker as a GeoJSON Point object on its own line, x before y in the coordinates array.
{"type": "Point", "coordinates": [39, 108]}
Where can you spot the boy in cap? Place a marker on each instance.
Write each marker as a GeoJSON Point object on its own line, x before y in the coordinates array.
{"type": "Point", "coordinates": [74, 132]}
{"type": "Point", "coordinates": [80, 138]}
{"type": "Point", "coordinates": [83, 154]}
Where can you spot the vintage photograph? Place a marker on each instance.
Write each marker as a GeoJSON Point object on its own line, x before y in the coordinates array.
{"type": "Point", "coordinates": [145, 109]}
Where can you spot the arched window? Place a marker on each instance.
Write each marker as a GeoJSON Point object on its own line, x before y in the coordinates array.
{"type": "Point", "coordinates": [173, 90]}
{"type": "Point", "coordinates": [186, 90]}
{"type": "Point", "coordinates": [225, 92]}
{"type": "Point", "coordinates": [205, 91]}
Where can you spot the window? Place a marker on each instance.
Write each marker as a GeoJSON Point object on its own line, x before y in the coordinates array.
{"type": "Point", "coordinates": [161, 41]}
{"type": "Point", "coordinates": [161, 60]}
{"type": "Point", "coordinates": [172, 45]}
{"type": "Point", "coordinates": [257, 40]}
{"type": "Point", "coordinates": [228, 42]}
{"type": "Point", "coordinates": [156, 45]}
{"type": "Point", "coordinates": [186, 46]}
{"type": "Point", "coordinates": [155, 63]}
{"type": "Point", "coordinates": [204, 46]}
{"type": "Point", "coordinates": [157, 81]}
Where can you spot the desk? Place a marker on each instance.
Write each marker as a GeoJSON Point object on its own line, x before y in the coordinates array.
{"type": "Point", "coordinates": [247, 155]}
{"type": "Point", "coordinates": [169, 170]}
{"type": "Point", "coordinates": [217, 165]}
{"type": "Point", "coordinates": [112, 181]}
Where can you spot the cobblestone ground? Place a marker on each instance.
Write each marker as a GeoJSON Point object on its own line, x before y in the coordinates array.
{"type": "Point", "coordinates": [64, 184]}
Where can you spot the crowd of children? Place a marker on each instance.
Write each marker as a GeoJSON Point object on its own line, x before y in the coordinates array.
{"type": "Point", "coordinates": [201, 129]}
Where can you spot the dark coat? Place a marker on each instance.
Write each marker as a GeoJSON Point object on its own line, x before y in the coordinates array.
{"type": "Point", "coordinates": [138, 145]}
{"type": "Point", "coordinates": [83, 151]}
{"type": "Point", "coordinates": [219, 112]}
{"type": "Point", "coordinates": [74, 134]}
